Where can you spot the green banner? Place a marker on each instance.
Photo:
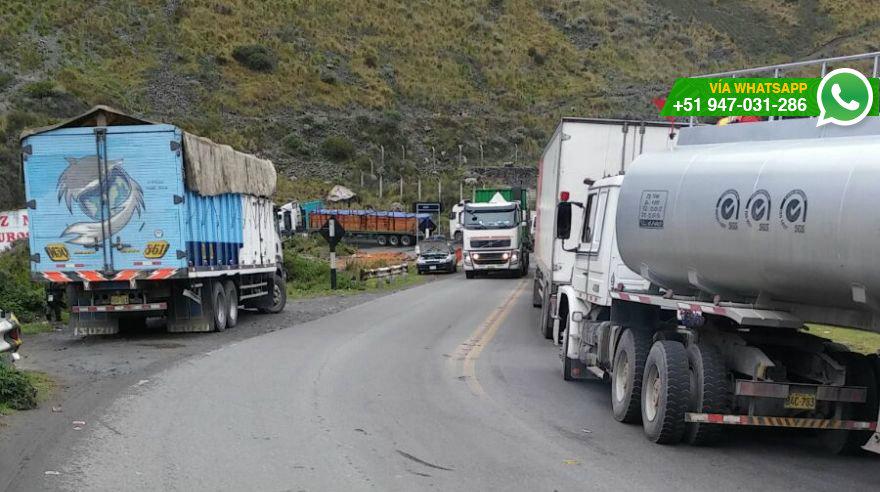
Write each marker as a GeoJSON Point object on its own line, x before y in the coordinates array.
{"type": "Point", "coordinates": [785, 97]}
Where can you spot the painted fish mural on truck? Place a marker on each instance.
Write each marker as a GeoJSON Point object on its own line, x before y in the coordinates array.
{"type": "Point", "coordinates": [81, 184]}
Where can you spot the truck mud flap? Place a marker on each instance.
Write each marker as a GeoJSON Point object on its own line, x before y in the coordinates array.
{"type": "Point", "coordinates": [186, 313]}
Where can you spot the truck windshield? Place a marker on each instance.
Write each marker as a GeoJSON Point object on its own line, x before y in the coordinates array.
{"type": "Point", "coordinates": [490, 218]}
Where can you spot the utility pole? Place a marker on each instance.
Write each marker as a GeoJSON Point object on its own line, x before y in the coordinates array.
{"type": "Point", "coordinates": [481, 152]}
{"type": "Point", "coordinates": [420, 187]}
{"type": "Point", "coordinates": [401, 188]}
{"type": "Point", "coordinates": [460, 157]}
{"type": "Point", "coordinates": [380, 185]}
{"type": "Point", "coordinates": [516, 154]}
{"type": "Point", "coordinates": [362, 179]}
{"type": "Point", "coordinates": [460, 191]}
{"type": "Point", "coordinates": [439, 189]}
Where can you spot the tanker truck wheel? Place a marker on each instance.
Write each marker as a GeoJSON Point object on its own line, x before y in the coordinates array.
{"type": "Point", "coordinates": [859, 372]}
{"type": "Point", "coordinates": [708, 392]}
{"type": "Point", "coordinates": [665, 392]}
{"type": "Point", "coordinates": [626, 376]}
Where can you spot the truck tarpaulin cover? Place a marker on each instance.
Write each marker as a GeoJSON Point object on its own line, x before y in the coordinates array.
{"type": "Point", "coordinates": [373, 220]}
{"type": "Point", "coordinates": [340, 193]}
{"type": "Point", "coordinates": [211, 169]}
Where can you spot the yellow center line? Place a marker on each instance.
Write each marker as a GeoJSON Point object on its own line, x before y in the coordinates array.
{"type": "Point", "coordinates": [474, 345]}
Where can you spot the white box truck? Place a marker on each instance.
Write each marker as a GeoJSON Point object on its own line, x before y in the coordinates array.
{"type": "Point", "coordinates": [581, 148]}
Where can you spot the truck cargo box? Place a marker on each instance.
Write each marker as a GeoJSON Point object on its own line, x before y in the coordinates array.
{"type": "Point", "coordinates": [108, 201]}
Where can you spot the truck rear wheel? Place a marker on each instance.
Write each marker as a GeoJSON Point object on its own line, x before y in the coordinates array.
{"type": "Point", "coordinates": [219, 309]}
{"type": "Point", "coordinates": [406, 240]}
{"type": "Point", "coordinates": [232, 302]}
{"type": "Point", "coordinates": [709, 392]}
{"type": "Point", "coordinates": [382, 240]}
{"type": "Point", "coordinates": [545, 326]}
{"type": "Point", "coordinates": [626, 376]}
{"type": "Point", "coordinates": [859, 372]}
{"type": "Point", "coordinates": [665, 392]}
{"type": "Point", "coordinates": [393, 240]}
{"type": "Point", "coordinates": [536, 294]}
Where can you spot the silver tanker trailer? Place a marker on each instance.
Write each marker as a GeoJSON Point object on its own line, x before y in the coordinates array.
{"type": "Point", "coordinates": [696, 272]}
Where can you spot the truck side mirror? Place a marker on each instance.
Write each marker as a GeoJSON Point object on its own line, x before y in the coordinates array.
{"type": "Point", "coordinates": [563, 220]}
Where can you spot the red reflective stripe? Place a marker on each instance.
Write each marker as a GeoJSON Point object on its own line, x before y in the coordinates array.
{"type": "Point", "coordinates": [162, 274]}
{"type": "Point", "coordinates": [56, 277]}
{"type": "Point", "coordinates": [91, 276]}
{"type": "Point", "coordinates": [716, 418]}
{"type": "Point", "coordinates": [126, 275]}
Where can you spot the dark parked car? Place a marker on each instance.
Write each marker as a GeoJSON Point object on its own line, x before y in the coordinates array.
{"type": "Point", "coordinates": [436, 254]}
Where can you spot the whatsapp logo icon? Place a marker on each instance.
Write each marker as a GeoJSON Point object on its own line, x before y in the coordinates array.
{"type": "Point", "coordinates": [845, 97]}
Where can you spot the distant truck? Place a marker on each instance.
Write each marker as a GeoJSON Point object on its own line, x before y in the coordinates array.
{"type": "Point", "coordinates": [140, 219]}
{"type": "Point", "coordinates": [385, 227]}
{"type": "Point", "coordinates": [580, 149]}
{"type": "Point", "coordinates": [293, 217]}
{"type": "Point", "coordinates": [496, 232]}
{"type": "Point", "coordinates": [455, 215]}
{"type": "Point", "coordinates": [695, 272]}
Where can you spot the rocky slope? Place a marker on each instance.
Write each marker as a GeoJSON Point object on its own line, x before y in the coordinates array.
{"type": "Point", "coordinates": [319, 86]}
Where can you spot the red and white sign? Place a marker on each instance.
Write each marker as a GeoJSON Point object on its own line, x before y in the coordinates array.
{"type": "Point", "coordinates": [13, 226]}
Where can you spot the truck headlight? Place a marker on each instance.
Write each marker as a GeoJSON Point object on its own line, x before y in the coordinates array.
{"type": "Point", "coordinates": [475, 256]}
{"type": "Point", "coordinates": [505, 256]}
{"type": "Point", "coordinates": [514, 257]}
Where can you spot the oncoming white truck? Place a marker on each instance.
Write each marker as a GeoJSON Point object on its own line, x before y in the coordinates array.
{"type": "Point", "coordinates": [696, 272]}
{"type": "Point", "coordinates": [581, 148]}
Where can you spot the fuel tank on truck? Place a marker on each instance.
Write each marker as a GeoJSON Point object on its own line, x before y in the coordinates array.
{"type": "Point", "coordinates": [781, 214]}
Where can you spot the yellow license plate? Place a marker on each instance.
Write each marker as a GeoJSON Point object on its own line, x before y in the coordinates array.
{"type": "Point", "coordinates": [119, 300]}
{"type": "Point", "coordinates": [801, 401]}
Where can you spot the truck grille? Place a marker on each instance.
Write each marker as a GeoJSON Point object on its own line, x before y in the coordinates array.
{"type": "Point", "coordinates": [489, 258]}
{"type": "Point", "coordinates": [490, 243]}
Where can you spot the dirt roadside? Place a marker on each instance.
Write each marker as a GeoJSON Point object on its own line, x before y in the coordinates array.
{"type": "Point", "coordinates": [90, 371]}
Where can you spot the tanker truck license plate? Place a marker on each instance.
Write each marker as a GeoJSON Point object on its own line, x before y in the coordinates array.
{"type": "Point", "coordinates": [800, 401]}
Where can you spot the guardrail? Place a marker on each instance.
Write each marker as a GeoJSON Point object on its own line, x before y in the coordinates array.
{"type": "Point", "coordinates": [385, 272]}
{"type": "Point", "coordinates": [10, 334]}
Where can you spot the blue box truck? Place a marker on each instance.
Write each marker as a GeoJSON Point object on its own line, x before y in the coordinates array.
{"type": "Point", "coordinates": [137, 219]}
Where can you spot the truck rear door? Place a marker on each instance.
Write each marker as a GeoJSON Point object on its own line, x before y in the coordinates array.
{"type": "Point", "coordinates": [105, 199]}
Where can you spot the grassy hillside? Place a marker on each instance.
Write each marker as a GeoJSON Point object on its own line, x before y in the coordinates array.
{"type": "Point", "coordinates": [318, 86]}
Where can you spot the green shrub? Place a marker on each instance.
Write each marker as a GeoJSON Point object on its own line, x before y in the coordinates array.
{"type": "Point", "coordinates": [337, 148]}
{"type": "Point", "coordinates": [6, 80]}
{"type": "Point", "coordinates": [293, 144]}
{"type": "Point", "coordinates": [41, 90]}
{"type": "Point", "coordinates": [307, 274]}
{"type": "Point", "coordinates": [16, 390]}
{"type": "Point", "coordinates": [18, 293]}
{"type": "Point", "coordinates": [256, 57]}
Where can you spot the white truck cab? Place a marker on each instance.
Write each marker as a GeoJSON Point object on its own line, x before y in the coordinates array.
{"type": "Point", "coordinates": [493, 238]}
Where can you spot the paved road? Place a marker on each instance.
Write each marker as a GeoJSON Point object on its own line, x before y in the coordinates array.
{"type": "Point", "coordinates": [445, 386]}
